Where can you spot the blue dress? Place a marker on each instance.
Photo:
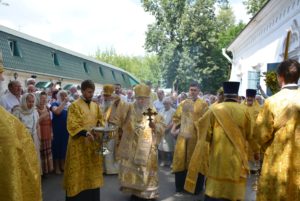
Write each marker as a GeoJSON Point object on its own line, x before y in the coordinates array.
{"type": "Point", "coordinates": [60, 133]}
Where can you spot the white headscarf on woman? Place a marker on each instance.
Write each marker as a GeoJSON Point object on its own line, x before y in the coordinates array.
{"type": "Point", "coordinates": [23, 104]}
{"type": "Point", "coordinates": [58, 95]}
{"type": "Point", "coordinates": [59, 100]}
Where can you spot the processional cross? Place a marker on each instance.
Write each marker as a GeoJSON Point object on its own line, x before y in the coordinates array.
{"type": "Point", "coordinates": [149, 113]}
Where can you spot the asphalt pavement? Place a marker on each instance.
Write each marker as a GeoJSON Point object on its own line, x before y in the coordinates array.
{"type": "Point", "coordinates": [53, 191]}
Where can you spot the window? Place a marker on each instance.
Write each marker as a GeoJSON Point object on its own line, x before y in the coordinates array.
{"type": "Point", "coordinates": [43, 85]}
{"type": "Point", "coordinates": [100, 71]}
{"type": "Point", "coordinates": [133, 81]}
{"type": "Point", "coordinates": [253, 79]}
{"type": "Point", "coordinates": [55, 59]}
{"type": "Point", "coordinates": [114, 75]}
{"type": "Point", "coordinates": [123, 76]}
{"type": "Point", "coordinates": [85, 67]}
{"type": "Point", "coordinates": [14, 50]}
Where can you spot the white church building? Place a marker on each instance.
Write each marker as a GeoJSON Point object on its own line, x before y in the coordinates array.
{"type": "Point", "coordinates": [262, 43]}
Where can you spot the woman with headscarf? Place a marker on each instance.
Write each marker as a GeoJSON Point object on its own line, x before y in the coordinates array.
{"type": "Point", "coordinates": [28, 114]}
{"type": "Point", "coordinates": [46, 132]}
{"type": "Point", "coordinates": [60, 133]}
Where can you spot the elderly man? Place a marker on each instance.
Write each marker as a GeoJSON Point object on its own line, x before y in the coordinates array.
{"type": "Point", "coordinates": [73, 94]}
{"type": "Point", "coordinates": [130, 97]}
{"type": "Point", "coordinates": [158, 104]}
{"type": "Point", "coordinates": [138, 147]}
{"type": "Point", "coordinates": [30, 81]}
{"type": "Point", "coordinates": [31, 88]}
{"type": "Point", "coordinates": [13, 97]}
{"type": "Point", "coordinates": [167, 144]}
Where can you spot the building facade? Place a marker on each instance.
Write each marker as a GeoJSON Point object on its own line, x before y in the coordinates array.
{"type": "Point", "coordinates": [25, 56]}
{"type": "Point", "coordinates": [262, 43]}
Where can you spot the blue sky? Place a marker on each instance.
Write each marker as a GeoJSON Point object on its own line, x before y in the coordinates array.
{"type": "Point", "coordinates": [84, 26]}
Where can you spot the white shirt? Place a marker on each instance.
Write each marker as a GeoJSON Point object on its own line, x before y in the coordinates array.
{"type": "Point", "coordinates": [167, 115]}
{"type": "Point", "coordinates": [159, 106]}
{"type": "Point", "coordinates": [8, 101]}
{"type": "Point", "coordinates": [123, 97]}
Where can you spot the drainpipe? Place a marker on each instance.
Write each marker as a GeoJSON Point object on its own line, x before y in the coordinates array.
{"type": "Point", "coordinates": [226, 55]}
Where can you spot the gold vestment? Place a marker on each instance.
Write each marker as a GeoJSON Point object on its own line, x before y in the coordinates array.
{"type": "Point", "coordinates": [226, 127]}
{"type": "Point", "coordinates": [187, 112]}
{"type": "Point", "coordinates": [20, 178]}
{"type": "Point", "coordinates": [277, 132]}
{"type": "Point", "coordinates": [138, 172]}
{"type": "Point", "coordinates": [253, 111]}
{"type": "Point", "coordinates": [111, 165]}
{"type": "Point", "coordinates": [83, 168]}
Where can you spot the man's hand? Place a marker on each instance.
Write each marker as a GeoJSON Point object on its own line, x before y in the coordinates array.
{"type": "Point", "coordinates": [90, 137]}
{"type": "Point", "coordinates": [66, 100]}
{"type": "Point", "coordinates": [96, 135]}
{"type": "Point", "coordinates": [152, 125]}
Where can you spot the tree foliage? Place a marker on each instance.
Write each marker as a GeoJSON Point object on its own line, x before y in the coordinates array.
{"type": "Point", "coordinates": [253, 6]}
{"type": "Point", "coordinates": [144, 68]}
{"type": "Point", "coordinates": [188, 37]}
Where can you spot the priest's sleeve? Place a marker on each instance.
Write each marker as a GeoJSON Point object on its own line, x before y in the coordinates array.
{"type": "Point", "coordinates": [75, 123]}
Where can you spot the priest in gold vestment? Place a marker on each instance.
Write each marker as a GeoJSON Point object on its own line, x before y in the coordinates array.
{"type": "Point", "coordinates": [138, 173]}
{"type": "Point", "coordinates": [278, 126]}
{"type": "Point", "coordinates": [20, 178]}
{"type": "Point", "coordinates": [226, 127]}
{"type": "Point", "coordinates": [253, 108]}
{"type": "Point", "coordinates": [187, 112]}
{"type": "Point", "coordinates": [83, 175]}
{"type": "Point", "coordinates": [109, 106]}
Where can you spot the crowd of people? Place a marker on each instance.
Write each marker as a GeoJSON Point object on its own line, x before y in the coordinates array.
{"type": "Point", "coordinates": [212, 143]}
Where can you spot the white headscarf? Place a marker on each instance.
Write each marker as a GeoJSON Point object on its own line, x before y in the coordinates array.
{"type": "Point", "coordinates": [58, 95]}
{"type": "Point", "coordinates": [23, 104]}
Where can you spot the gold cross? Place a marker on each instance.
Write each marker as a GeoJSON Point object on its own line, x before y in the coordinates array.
{"type": "Point", "coordinates": [149, 113]}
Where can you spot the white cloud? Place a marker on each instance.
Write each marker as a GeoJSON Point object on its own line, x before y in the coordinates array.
{"type": "Point", "coordinates": [81, 26]}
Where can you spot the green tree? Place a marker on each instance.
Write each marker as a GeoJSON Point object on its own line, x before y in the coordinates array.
{"type": "Point", "coordinates": [253, 6]}
{"type": "Point", "coordinates": [185, 38]}
{"type": "Point", "coordinates": [145, 68]}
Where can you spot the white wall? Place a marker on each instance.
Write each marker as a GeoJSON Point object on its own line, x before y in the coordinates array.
{"type": "Point", "coordinates": [263, 40]}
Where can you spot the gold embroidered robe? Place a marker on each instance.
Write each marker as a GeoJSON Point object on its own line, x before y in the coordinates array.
{"type": "Point", "coordinates": [226, 127]}
{"type": "Point", "coordinates": [185, 115]}
{"type": "Point", "coordinates": [83, 167]}
{"type": "Point", "coordinates": [20, 178]}
{"type": "Point", "coordinates": [278, 131]}
{"type": "Point", "coordinates": [253, 111]}
{"type": "Point", "coordinates": [111, 165]}
{"type": "Point", "coordinates": [138, 170]}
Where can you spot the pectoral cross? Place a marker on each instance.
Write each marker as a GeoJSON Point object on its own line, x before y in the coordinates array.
{"type": "Point", "coordinates": [149, 113]}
